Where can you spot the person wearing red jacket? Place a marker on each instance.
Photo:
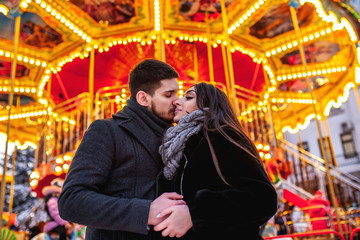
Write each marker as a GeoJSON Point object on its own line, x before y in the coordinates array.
{"type": "Point", "coordinates": [322, 210]}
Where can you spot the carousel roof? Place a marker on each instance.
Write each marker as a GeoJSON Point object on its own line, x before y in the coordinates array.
{"type": "Point", "coordinates": [57, 37]}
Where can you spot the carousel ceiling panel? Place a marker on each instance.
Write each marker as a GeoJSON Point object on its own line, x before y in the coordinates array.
{"type": "Point", "coordinates": [39, 42]}
{"type": "Point", "coordinates": [322, 57]}
{"type": "Point", "coordinates": [316, 52]}
{"type": "Point", "coordinates": [107, 12]}
{"type": "Point", "coordinates": [34, 32]}
{"type": "Point", "coordinates": [19, 100]}
{"type": "Point", "coordinates": [197, 14]}
{"type": "Point", "coordinates": [271, 24]}
{"type": "Point", "coordinates": [300, 85]}
{"type": "Point", "coordinates": [37, 32]}
{"type": "Point", "coordinates": [103, 18]}
{"type": "Point", "coordinates": [5, 70]}
{"type": "Point", "coordinates": [277, 21]}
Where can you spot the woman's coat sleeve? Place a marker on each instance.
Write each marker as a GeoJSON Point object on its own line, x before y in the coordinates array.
{"type": "Point", "coordinates": [250, 203]}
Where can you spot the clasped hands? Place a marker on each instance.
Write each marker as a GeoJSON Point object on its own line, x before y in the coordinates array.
{"type": "Point", "coordinates": [170, 214]}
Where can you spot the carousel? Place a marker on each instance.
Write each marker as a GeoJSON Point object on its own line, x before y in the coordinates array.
{"type": "Point", "coordinates": [282, 63]}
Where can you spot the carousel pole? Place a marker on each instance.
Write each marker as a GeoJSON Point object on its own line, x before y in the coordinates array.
{"type": "Point", "coordinates": [10, 102]}
{"type": "Point", "coordinates": [245, 119]}
{"type": "Point", "coordinates": [209, 49]}
{"type": "Point", "coordinates": [232, 91]}
{"type": "Point", "coordinates": [196, 66]}
{"type": "Point", "coordinates": [269, 111]}
{"type": "Point", "coordinates": [160, 47]}
{"type": "Point", "coordinates": [268, 107]}
{"type": "Point", "coordinates": [226, 70]}
{"type": "Point", "coordinates": [47, 143]}
{"type": "Point", "coordinates": [310, 87]}
{"type": "Point", "coordinates": [91, 86]}
{"type": "Point", "coordinates": [12, 183]}
{"type": "Point", "coordinates": [13, 163]}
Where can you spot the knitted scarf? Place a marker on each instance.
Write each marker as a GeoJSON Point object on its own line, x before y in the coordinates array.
{"type": "Point", "coordinates": [175, 140]}
{"type": "Point", "coordinates": [154, 122]}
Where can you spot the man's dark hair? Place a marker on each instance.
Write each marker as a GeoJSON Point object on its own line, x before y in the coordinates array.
{"type": "Point", "coordinates": [146, 76]}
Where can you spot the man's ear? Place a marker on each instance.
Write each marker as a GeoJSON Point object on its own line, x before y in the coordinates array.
{"type": "Point", "coordinates": [142, 98]}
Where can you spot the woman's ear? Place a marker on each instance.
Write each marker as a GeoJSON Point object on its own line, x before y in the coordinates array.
{"type": "Point", "coordinates": [142, 98]}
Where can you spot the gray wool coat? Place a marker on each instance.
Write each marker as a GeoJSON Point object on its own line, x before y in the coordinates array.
{"type": "Point", "coordinates": [111, 181]}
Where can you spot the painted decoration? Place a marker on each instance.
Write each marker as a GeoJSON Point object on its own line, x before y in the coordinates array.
{"type": "Point", "coordinates": [5, 70]}
{"type": "Point", "coordinates": [277, 20]}
{"type": "Point", "coordinates": [194, 10]}
{"type": "Point", "coordinates": [24, 100]}
{"type": "Point", "coordinates": [301, 86]}
{"type": "Point", "coordinates": [33, 31]}
{"type": "Point", "coordinates": [316, 52]}
{"type": "Point", "coordinates": [108, 11]}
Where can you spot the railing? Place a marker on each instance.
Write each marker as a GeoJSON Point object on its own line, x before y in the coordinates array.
{"type": "Point", "coordinates": [355, 231]}
{"type": "Point", "coordinates": [307, 234]}
{"type": "Point", "coordinates": [309, 174]}
{"type": "Point", "coordinates": [255, 119]}
{"type": "Point", "coordinates": [320, 218]}
{"type": "Point", "coordinates": [349, 223]}
{"type": "Point", "coordinates": [65, 128]}
{"type": "Point", "coordinates": [297, 190]}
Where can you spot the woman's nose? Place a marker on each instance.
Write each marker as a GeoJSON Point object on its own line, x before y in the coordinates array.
{"type": "Point", "coordinates": [177, 102]}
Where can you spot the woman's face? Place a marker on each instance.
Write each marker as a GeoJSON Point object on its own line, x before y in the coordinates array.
{"type": "Point", "coordinates": [186, 104]}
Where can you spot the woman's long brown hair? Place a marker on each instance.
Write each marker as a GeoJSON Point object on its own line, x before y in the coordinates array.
{"type": "Point", "coordinates": [221, 117]}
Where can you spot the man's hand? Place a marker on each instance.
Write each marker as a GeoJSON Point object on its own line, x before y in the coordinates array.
{"type": "Point", "coordinates": [177, 223]}
{"type": "Point", "coordinates": [164, 201]}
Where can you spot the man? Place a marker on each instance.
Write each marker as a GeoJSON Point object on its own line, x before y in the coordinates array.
{"type": "Point", "coordinates": [112, 178]}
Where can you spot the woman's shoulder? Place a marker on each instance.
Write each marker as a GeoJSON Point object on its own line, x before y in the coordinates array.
{"type": "Point", "coordinates": [195, 139]}
{"type": "Point", "coordinates": [224, 135]}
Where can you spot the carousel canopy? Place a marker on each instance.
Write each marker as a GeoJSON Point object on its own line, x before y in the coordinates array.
{"type": "Point", "coordinates": [252, 45]}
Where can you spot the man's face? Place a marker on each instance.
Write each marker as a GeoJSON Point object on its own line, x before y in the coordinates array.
{"type": "Point", "coordinates": [162, 101]}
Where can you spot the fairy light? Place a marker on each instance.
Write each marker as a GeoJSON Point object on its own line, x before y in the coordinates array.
{"type": "Point", "coordinates": [25, 145]}
{"type": "Point", "coordinates": [291, 44]}
{"type": "Point", "coordinates": [357, 74]}
{"type": "Point", "coordinates": [331, 17]}
{"type": "Point", "coordinates": [23, 4]}
{"type": "Point", "coordinates": [299, 126]}
{"type": "Point", "coordinates": [3, 9]}
{"type": "Point", "coordinates": [340, 99]}
{"type": "Point", "coordinates": [64, 20]}
{"type": "Point", "coordinates": [59, 160]}
{"type": "Point", "coordinates": [298, 75]}
{"type": "Point", "coordinates": [157, 15]}
{"type": "Point", "coordinates": [24, 113]}
{"type": "Point", "coordinates": [246, 15]}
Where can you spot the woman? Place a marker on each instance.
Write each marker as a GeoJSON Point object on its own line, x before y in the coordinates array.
{"type": "Point", "coordinates": [215, 166]}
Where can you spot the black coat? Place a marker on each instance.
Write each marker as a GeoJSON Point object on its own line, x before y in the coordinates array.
{"type": "Point", "coordinates": [111, 181]}
{"type": "Point", "coordinates": [217, 210]}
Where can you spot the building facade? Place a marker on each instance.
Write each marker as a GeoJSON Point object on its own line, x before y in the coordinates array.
{"type": "Point", "coordinates": [340, 133]}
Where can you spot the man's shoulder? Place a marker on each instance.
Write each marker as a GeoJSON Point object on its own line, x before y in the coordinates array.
{"type": "Point", "coordinates": [114, 119]}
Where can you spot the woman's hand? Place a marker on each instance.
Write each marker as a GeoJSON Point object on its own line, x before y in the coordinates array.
{"type": "Point", "coordinates": [161, 203]}
{"type": "Point", "coordinates": [177, 223]}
